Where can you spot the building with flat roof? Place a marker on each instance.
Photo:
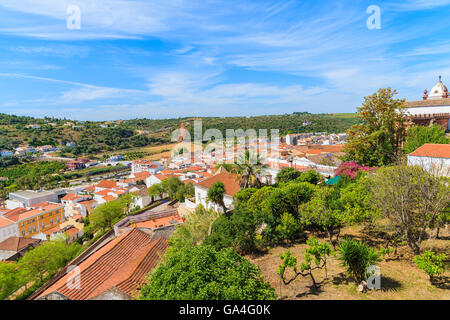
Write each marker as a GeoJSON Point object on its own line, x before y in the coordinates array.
{"type": "Point", "coordinates": [29, 198]}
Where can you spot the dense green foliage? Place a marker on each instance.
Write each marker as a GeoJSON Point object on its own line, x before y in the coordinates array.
{"type": "Point", "coordinates": [204, 273]}
{"type": "Point", "coordinates": [411, 198]}
{"type": "Point", "coordinates": [216, 193]}
{"type": "Point", "coordinates": [419, 135]}
{"type": "Point", "coordinates": [237, 231]}
{"type": "Point", "coordinates": [378, 139]}
{"type": "Point", "coordinates": [37, 265]}
{"type": "Point", "coordinates": [432, 263]}
{"type": "Point", "coordinates": [194, 230]}
{"type": "Point", "coordinates": [107, 214]}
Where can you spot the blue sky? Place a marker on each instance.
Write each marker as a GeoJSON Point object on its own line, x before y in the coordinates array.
{"type": "Point", "coordinates": [175, 58]}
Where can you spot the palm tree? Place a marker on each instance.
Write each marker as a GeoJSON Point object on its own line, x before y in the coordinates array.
{"type": "Point", "coordinates": [250, 168]}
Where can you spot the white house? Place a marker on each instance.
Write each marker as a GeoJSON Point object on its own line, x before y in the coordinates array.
{"type": "Point", "coordinates": [230, 182]}
{"type": "Point", "coordinates": [432, 157]}
{"type": "Point", "coordinates": [8, 228]}
{"type": "Point", "coordinates": [146, 166]}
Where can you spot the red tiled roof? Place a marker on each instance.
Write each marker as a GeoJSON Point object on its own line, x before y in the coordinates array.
{"type": "Point", "coordinates": [432, 150]}
{"type": "Point", "coordinates": [72, 231]}
{"type": "Point", "coordinates": [51, 231]}
{"type": "Point", "coordinates": [70, 196]}
{"type": "Point", "coordinates": [14, 214]}
{"type": "Point", "coordinates": [108, 198]}
{"type": "Point", "coordinates": [160, 222]}
{"type": "Point", "coordinates": [107, 184]}
{"type": "Point", "coordinates": [142, 175]}
{"type": "Point", "coordinates": [230, 181]}
{"type": "Point", "coordinates": [104, 192]}
{"type": "Point", "coordinates": [4, 222]}
{"type": "Point", "coordinates": [17, 243]}
{"type": "Point", "coordinates": [20, 215]}
{"type": "Point", "coordinates": [122, 263]}
{"type": "Point", "coordinates": [314, 151]}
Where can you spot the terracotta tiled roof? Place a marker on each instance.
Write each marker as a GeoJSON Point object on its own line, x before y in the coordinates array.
{"type": "Point", "coordinates": [72, 231]}
{"type": "Point", "coordinates": [20, 215]}
{"type": "Point", "coordinates": [88, 204]}
{"type": "Point", "coordinates": [104, 192]}
{"type": "Point", "coordinates": [70, 196]}
{"type": "Point", "coordinates": [108, 198]}
{"type": "Point", "coordinates": [122, 263]}
{"type": "Point", "coordinates": [314, 151]}
{"type": "Point", "coordinates": [142, 175]}
{"type": "Point", "coordinates": [230, 181]}
{"type": "Point", "coordinates": [14, 214]}
{"type": "Point", "coordinates": [432, 150]}
{"type": "Point", "coordinates": [160, 222]}
{"type": "Point", "coordinates": [4, 222]}
{"type": "Point", "coordinates": [107, 184]}
{"type": "Point", "coordinates": [17, 243]}
{"type": "Point", "coordinates": [90, 189]}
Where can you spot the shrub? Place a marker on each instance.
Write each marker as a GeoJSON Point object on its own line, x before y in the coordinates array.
{"type": "Point", "coordinates": [350, 169]}
{"type": "Point", "coordinates": [311, 176]}
{"type": "Point", "coordinates": [431, 263]}
{"type": "Point", "coordinates": [286, 175]}
{"type": "Point", "coordinates": [288, 227]}
{"type": "Point", "coordinates": [356, 257]}
{"type": "Point", "coordinates": [237, 231]}
{"type": "Point", "coordinates": [204, 273]}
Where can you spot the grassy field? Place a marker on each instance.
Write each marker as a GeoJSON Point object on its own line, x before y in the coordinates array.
{"type": "Point", "coordinates": [400, 278]}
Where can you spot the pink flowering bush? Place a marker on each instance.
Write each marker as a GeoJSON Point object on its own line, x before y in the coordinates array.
{"type": "Point", "coordinates": [350, 169]}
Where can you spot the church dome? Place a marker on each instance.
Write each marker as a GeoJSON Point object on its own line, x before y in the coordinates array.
{"type": "Point", "coordinates": [439, 91]}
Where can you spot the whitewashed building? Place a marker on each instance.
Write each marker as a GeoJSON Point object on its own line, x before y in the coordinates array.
{"type": "Point", "coordinates": [434, 158]}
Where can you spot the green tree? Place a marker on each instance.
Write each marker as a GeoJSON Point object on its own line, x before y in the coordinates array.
{"type": "Point", "coordinates": [237, 231]}
{"type": "Point", "coordinates": [419, 135]}
{"type": "Point", "coordinates": [47, 259]}
{"type": "Point", "coordinates": [286, 175]}
{"type": "Point", "coordinates": [105, 215]}
{"type": "Point", "coordinates": [432, 263]}
{"type": "Point", "coordinates": [11, 279]}
{"type": "Point", "coordinates": [171, 186]}
{"type": "Point", "coordinates": [356, 201]}
{"type": "Point", "coordinates": [156, 190]}
{"type": "Point", "coordinates": [298, 193]}
{"type": "Point", "coordinates": [316, 252]}
{"type": "Point", "coordinates": [194, 230]}
{"type": "Point", "coordinates": [256, 202]}
{"type": "Point", "coordinates": [311, 176]}
{"type": "Point", "coordinates": [241, 197]}
{"type": "Point", "coordinates": [288, 227]}
{"type": "Point", "coordinates": [204, 273]}
{"type": "Point", "coordinates": [324, 211]}
{"type": "Point", "coordinates": [216, 193]}
{"type": "Point", "coordinates": [411, 198]}
{"type": "Point", "coordinates": [378, 139]}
